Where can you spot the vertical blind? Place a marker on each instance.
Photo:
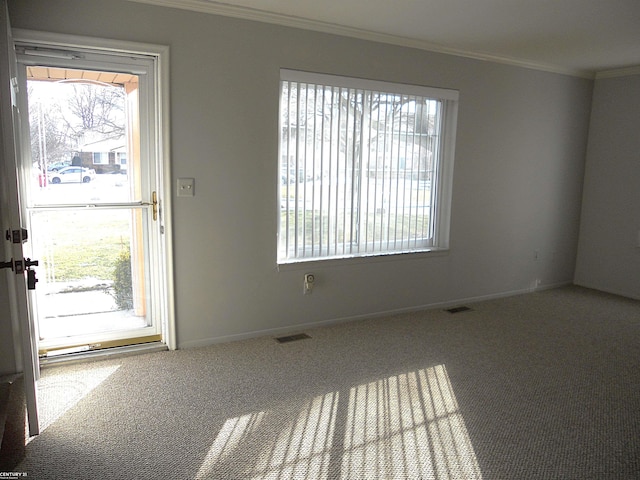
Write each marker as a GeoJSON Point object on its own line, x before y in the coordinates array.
{"type": "Point", "coordinates": [359, 169]}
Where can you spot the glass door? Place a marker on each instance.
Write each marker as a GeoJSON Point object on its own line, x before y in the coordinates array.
{"type": "Point", "coordinates": [90, 191]}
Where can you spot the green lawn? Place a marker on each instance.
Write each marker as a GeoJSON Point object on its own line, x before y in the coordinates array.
{"type": "Point", "coordinates": [318, 228]}
{"type": "Point", "coordinates": [78, 244]}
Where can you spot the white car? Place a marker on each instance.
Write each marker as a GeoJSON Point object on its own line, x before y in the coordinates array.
{"type": "Point", "coordinates": [72, 174]}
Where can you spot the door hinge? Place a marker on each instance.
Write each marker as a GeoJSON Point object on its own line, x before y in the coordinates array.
{"type": "Point", "coordinates": [14, 91]}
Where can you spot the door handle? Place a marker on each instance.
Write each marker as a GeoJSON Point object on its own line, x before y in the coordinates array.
{"type": "Point", "coordinates": [8, 264]}
{"type": "Point", "coordinates": [31, 274]}
{"type": "Point", "coordinates": [31, 279]}
{"type": "Point", "coordinates": [30, 263]}
{"type": "Point", "coordinates": [19, 266]}
{"type": "Point", "coordinates": [154, 205]}
{"type": "Point", "coordinates": [17, 236]}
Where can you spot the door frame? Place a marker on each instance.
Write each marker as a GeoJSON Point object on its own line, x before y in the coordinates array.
{"type": "Point", "coordinates": [160, 55]}
{"type": "Point", "coordinates": [26, 358]}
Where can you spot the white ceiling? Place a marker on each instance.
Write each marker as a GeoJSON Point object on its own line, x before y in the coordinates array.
{"type": "Point", "coordinates": [577, 37]}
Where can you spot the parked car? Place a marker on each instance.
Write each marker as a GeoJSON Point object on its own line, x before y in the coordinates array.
{"type": "Point", "coordinates": [72, 174]}
{"type": "Point", "coordinates": [54, 167]}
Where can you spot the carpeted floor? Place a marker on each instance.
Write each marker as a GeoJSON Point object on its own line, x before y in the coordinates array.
{"type": "Point", "coordinates": [537, 386]}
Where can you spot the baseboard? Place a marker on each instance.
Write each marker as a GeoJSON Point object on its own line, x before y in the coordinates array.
{"type": "Point", "coordinates": [278, 331]}
{"type": "Point", "coordinates": [550, 286]}
{"type": "Point", "coordinates": [612, 291]}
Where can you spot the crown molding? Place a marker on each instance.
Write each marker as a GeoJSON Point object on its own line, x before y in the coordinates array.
{"type": "Point", "coordinates": [216, 8]}
{"type": "Point", "coordinates": [618, 72]}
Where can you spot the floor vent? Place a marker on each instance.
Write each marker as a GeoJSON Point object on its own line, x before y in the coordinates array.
{"type": "Point", "coordinates": [292, 338]}
{"type": "Point", "coordinates": [458, 309]}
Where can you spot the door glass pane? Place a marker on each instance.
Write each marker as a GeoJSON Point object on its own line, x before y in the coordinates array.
{"type": "Point", "coordinates": [85, 136]}
{"type": "Point", "coordinates": [91, 271]}
{"type": "Point", "coordinates": [84, 185]}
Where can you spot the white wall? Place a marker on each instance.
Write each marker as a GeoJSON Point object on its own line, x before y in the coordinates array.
{"type": "Point", "coordinates": [609, 248]}
{"type": "Point", "coordinates": [517, 181]}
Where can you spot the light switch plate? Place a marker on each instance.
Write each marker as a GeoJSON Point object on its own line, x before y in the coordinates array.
{"type": "Point", "coordinates": [186, 187]}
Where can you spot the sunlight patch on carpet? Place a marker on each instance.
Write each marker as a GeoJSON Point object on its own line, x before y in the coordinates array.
{"type": "Point", "coordinates": [58, 392]}
{"type": "Point", "coordinates": [288, 443]}
{"type": "Point", "coordinates": [402, 426]}
{"type": "Point", "coordinates": [407, 426]}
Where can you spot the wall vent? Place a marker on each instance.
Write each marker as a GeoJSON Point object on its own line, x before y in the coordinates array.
{"type": "Point", "coordinates": [457, 309]}
{"type": "Point", "coordinates": [292, 338]}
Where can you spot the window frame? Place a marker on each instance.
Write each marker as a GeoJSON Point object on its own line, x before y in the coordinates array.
{"type": "Point", "coordinates": [442, 183]}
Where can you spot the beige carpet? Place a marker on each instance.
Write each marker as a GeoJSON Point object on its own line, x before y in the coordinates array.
{"type": "Point", "coordinates": [538, 386]}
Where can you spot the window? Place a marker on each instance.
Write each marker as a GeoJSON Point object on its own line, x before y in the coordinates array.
{"type": "Point", "coordinates": [100, 158]}
{"type": "Point", "coordinates": [365, 167]}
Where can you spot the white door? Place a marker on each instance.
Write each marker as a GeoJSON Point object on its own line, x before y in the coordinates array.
{"type": "Point", "coordinates": [92, 184]}
{"type": "Point", "coordinates": [13, 234]}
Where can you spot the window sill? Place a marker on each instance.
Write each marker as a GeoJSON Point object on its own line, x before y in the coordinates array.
{"type": "Point", "coordinates": [305, 264]}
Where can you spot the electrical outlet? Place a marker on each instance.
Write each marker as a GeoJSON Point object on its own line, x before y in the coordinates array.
{"type": "Point", "coordinates": [186, 187]}
{"type": "Point", "coordinates": [309, 280]}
